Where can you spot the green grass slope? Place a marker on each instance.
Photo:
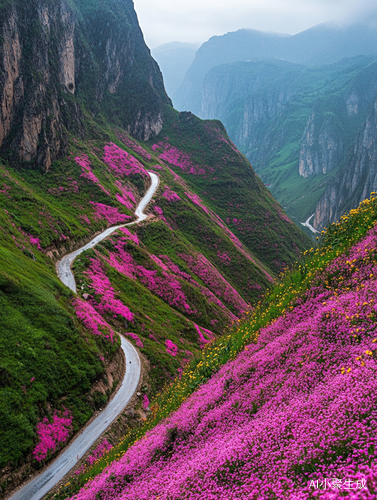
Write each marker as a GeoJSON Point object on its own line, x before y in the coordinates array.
{"type": "Point", "coordinates": [225, 181]}
{"type": "Point", "coordinates": [48, 360]}
{"type": "Point", "coordinates": [185, 275]}
{"type": "Point", "coordinates": [283, 296]}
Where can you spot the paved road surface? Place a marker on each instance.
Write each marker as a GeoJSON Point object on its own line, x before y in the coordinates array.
{"type": "Point", "coordinates": [64, 266]}
{"type": "Point", "coordinates": [44, 482]}
{"type": "Point", "coordinates": [307, 224]}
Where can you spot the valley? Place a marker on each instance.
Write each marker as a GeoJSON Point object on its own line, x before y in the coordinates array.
{"type": "Point", "coordinates": [297, 115]}
{"type": "Point", "coordinates": [170, 327]}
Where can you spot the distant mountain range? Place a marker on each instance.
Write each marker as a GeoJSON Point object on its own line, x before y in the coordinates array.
{"type": "Point", "coordinates": [174, 60]}
{"type": "Point", "coordinates": [322, 44]}
{"type": "Point", "coordinates": [296, 106]}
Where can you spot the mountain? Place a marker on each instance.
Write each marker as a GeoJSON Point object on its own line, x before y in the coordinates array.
{"type": "Point", "coordinates": [241, 45]}
{"type": "Point", "coordinates": [84, 119]}
{"type": "Point", "coordinates": [322, 44]}
{"type": "Point", "coordinates": [296, 124]}
{"type": "Point", "coordinates": [174, 59]}
{"type": "Point", "coordinates": [57, 56]}
{"type": "Point", "coordinates": [285, 407]}
{"type": "Point", "coordinates": [357, 177]}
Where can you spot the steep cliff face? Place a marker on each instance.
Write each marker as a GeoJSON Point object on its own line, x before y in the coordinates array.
{"type": "Point", "coordinates": [357, 179]}
{"type": "Point", "coordinates": [61, 58]}
{"type": "Point", "coordinates": [246, 96]}
{"type": "Point", "coordinates": [295, 124]}
{"type": "Point", "coordinates": [323, 145]}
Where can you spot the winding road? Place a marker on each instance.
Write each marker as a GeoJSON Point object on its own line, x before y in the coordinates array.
{"type": "Point", "coordinates": [44, 482]}
{"type": "Point", "coordinates": [64, 266]}
{"type": "Point", "coordinates": [307, 224]}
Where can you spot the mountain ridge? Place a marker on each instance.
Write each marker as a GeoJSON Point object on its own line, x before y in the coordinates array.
{"type": "Point", "coordinates": [321, 44]}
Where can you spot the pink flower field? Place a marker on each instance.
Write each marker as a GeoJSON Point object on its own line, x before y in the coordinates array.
{"type": "Point", "coordinates": [110, 214]}
{"type": "Point", "coordinates": [121, 163]}
{"type": "Point", "coordinates": [52, 434]}
{"type": "Point", "coordinates": [294, 416]}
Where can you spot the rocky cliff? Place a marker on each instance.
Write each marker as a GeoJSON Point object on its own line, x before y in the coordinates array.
{"type": "Point", "coordinates": [61, 59]}
{"type": "Point", "coordinates": [323, 145]}
{"type": "Point", "coordinates": [356, 180]}
{"type": "Point", "coordinates": [295, 124]}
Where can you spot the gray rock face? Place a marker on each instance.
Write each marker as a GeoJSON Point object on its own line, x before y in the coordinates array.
{"type": "Point", "coordinates": [60, 58]}
{"type": "Point", "coordinates": [357, 179]}
{"type": "Point", "coordinates": [323, 145]}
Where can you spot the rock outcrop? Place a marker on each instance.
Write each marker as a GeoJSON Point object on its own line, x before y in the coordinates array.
{"type": "Point", "coordinates": [62, 59]}
{"type": "Point", "coordinates": [356, 180]}
{"type": "Point", "coordinates": [323, 145]}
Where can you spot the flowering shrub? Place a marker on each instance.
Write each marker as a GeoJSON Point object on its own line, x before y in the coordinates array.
{"type": "Point", "coordinates": [217, 220]}
{"type": "Point", "coordinates": [5, 191]}
{"type": "Point", "coordinates": [215, 281]}
{"type": "Point", "coordinates": [160, 214]}
{"type": "Point", "coordinates": [180, 159]}
{"type": "Point", "coordinates": [202, 339]}
{"type": "Point", "coordinates": [224, 257]}
{"type": "Point", "coordinates": [129, 236]}
{"type": "Point", "coordinates": [216, 133]}
{"type": "Point", "coordinates": [170, 195]}
{"type": "Point", "coordinates": [171, 348]}
{"type": "Point", "coordinates": [121, 163]}
{"type": "Point", "coordinates": [166, 263]}
{"type": "Point", "coordinates": [159, 262]}
{"type": "Point", "coordinates": [87, 173]}
{"type": "Point", "coordinates": [73, 187]}
{"type": "Point", "coordinates": [127, 197]}
{"type": "Point", "coordinates": [294, 412]}
{"type": "Point", "coordinates": [52, 434]}
{"type": "Point", "coordinates": [111, 214]}
{"type": "Point", "coordinates": [145, 402]}
{"type": "Point", "coordinates": [103, 448]}
{"type": "Point", "coordinates": [92, 320]}
{"type": "Point", "coordinates": [35, 241]}
{"type": "Point", "coordinates": [130, 143]}
{"type": "Point", "coordinates": [195, 199]}
{"type": "Point", "coordinates": [85, 218]}
{"type": "Point", "coordinates": [102, 287]}
{"type": "Point", "coordinates": [136, 338]}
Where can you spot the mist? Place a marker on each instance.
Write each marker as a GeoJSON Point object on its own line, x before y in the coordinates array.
{"type": "Point", "coordinates": [195, 21]}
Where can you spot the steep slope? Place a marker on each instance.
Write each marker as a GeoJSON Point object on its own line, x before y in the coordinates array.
{"type": "Point", "coordinates": [322, 44]}
{"type": "Point", "coordinates": [57, 57]}
{"type": "Point", "coordinates": [295, 124]}
{"type": "Point", "coordinates": [283, 408]}
{"type": "Point", "coordinates": [169, 285]}
{"type": "Point", "coordinates": [174, 59]}
{"type": "Point", "coordinates": [357, 178]}
{"type": "Point", "coordinates": [203, 155]}
{"type": "Point", "coordinates": [80, 94]}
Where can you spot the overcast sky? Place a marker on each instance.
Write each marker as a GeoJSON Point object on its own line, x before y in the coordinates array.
{"type": "Point", "coordinates": [195, 21]}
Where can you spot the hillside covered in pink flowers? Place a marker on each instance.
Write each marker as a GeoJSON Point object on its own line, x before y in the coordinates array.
{"type": "Point", "coordinates": [293, 413]}
{"type": "Point", "coordinates": [170, 285]}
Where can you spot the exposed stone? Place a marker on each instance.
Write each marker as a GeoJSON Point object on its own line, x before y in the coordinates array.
{"type": "Point", "coordinates": [40, 69]}
{"type": "Point", "coordinates": [356, 180]}
{"type": "Point", "coordinates": [322, 145]}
